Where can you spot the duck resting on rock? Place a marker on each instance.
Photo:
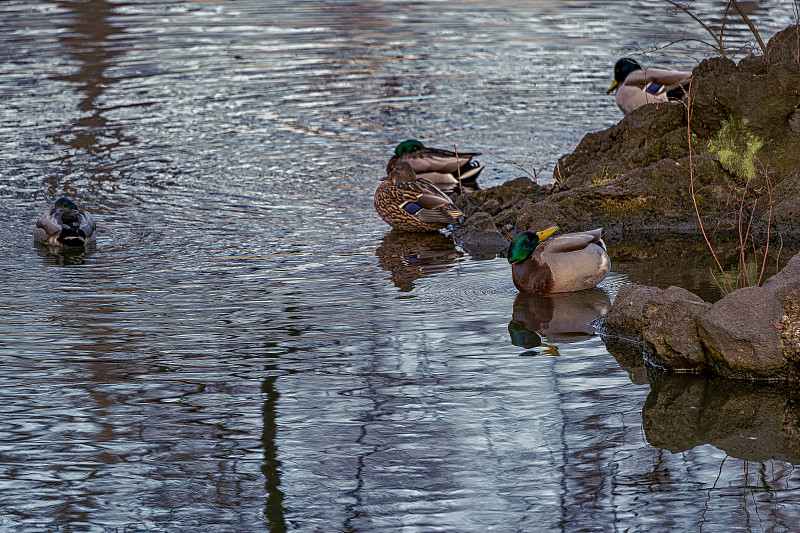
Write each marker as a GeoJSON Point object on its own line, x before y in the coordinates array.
{"type": "Point", "coordinates": [64, 225]}
{"type": "Point", "coordinates": [442, 167]}
{"type": "Point", "coordinates": [565, 263]}
{"type": "Point", "coordinates": [408, 202]}
{"type": "Point", "coordinates": [637, 86]}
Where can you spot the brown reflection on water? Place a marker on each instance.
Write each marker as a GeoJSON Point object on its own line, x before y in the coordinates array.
{"type": "Point", "coordinates": [410, 256]}
{"type": "Point", "coordinates": [750, 421]}
{"type": "Point", "coordinates": [88, 39]}
{"type": "Point", "coordinates": [561, 318]}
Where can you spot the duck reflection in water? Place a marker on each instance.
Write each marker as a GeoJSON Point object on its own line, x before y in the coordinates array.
{"type": "Point", "coordinates": [64, 256]}
{"type": "Point", "coordinates": [559, 318]}
{"type": "Point", "coordinates": [410, 256]}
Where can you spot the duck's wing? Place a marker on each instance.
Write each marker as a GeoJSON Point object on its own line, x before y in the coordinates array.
{"type": "Point", "coordinates": [572, 242]}
{"type": "Point", "coordinates": [87, 224]}
{"type": "Point", "coordinates": [436, 160]}
{"type": "Point", "coordinates": [651, 86]}
{"type": "Point", "coordinates": [49, 224]}
{"type": "Point", "coordinates": [428, 202]}
{"type": "Point", "coordinates": [577, 260]}
{"type": "Point", "coordinates": [668, 78]}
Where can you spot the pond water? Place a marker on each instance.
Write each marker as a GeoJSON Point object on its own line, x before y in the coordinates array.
{"type": "Point", "coordinates": [248, 347]}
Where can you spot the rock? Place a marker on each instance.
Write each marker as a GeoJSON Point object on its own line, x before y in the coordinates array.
{"type": "Point", "coordinates": [784, 46]}
{"type": "Point", "coordinates": [741, 335]}
{"type": "Point", "coordinates": [672, 331]}
{"type": "Point", "coordinates": [662, 318]}
{"type": "Point", "coordinates": [479, 236]}
{"type": "Point", "coordinates": [785, 285]}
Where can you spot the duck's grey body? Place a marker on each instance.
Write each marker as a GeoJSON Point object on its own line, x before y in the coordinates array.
{"type": "Point", "coordinates": [565, 263]}
{"type": "Point", "coordinates": [65, 225]}
{"type": "Point", "coordinates": [442, 167]}
{"type": "Point", "coordinates": [637, 85]}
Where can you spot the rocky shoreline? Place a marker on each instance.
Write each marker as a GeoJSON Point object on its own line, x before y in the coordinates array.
{"type": "Point", "coordinates": [744, 124]}
{"type": "Point", "coordinates": [742, 170]}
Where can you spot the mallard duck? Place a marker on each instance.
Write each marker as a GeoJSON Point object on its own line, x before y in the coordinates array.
{"type": "Point", "coordinates": [64, 225]}
{"type": "Point", "coordinates": [636, 86]}
{"type": "Point", "coordinates": [442, 167]}
{"type": "Point", "coordinates": [410, 203]}
{"type": "Point", "coordinates": [566, 263]}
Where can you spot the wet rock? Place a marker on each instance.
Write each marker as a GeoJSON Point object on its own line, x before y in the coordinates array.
{"type": "Point", "coordinates": [479, 236]}
{"type": "Point", "coordinates": [741, 336]}
{"type": "Point", "coordinates": [502, 197]}
{"type": "Point", "coordinates": [664, 319]}
{"type": "Point", "coordinates": [752, 333]}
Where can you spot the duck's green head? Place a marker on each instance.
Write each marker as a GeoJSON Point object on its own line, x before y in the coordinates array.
{"type": "Point", "coordinates": [408, 147]}
{"type": "Point", "coordinates": [622, 68]}
{"type": "Point", "coordinates": [525, 243]}
{"type": "Point", "coordinates": [66, 203]}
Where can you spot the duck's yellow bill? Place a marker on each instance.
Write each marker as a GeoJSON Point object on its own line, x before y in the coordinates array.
{"type": "Point", "coordinates": [613, 86]}
{"type": "Point", "coordinates": [545, 233]}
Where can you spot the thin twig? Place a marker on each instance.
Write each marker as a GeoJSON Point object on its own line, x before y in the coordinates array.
{"type": "Point", "coordinates": [720, 47]}
{"type": "Point", "coordinates": [688, 104]}
{"type": "Point", "coordinates": [750, 25]}
{"type": "Point", "coordinates": [769, 222]}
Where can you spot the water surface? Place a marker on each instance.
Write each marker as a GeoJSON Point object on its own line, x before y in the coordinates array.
{"type": "Point", "coordinates": [248, 346]}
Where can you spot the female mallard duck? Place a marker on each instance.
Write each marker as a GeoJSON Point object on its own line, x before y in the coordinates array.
{"type": "Point", "coordinates": [442, 167]}
{"type": "Point", "coordinates": [566, 263]}
{"type": "Point", "coordinates": [636, 86]}
{"type": "Point", "coordinates": [410, 203]}
{"type": "Point", "coordinates": [64, 225]}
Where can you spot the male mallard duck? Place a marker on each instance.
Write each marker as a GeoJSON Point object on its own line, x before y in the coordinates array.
{"type": "Point", "coordinates": [410, 203]}
{"type": "Point", "coordinates": [64, 225]}
{"type": "Point", "coordinates": [637, 86]}
{"type": "Point", "coordinates": [442, 167]}
{"type": "Point", "coordinates": [566, 263]}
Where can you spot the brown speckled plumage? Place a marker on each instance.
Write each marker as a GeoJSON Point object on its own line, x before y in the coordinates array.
{"type": "Point", "coordinates": [409, 203]}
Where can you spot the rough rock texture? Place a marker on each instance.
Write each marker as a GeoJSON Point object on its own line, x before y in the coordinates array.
{"type": "Point", "coordinates": [785, 285]}
{"type": "Point", "coordinates": [744, 125]}
{"type": "Point", "coordinates": [741, 335]}
{"type": "Point", "coordinates": [479, 236]}
{"type": "Point", "coordinates": [752, 333]}
{"type": "Point", "coordinates": [662, 318]}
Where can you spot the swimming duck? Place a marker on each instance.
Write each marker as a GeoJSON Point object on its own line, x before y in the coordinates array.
{"type": "Point", "coordinates": [408, 202]}
{"type": "Point", "coordinates": [64, 225]}
{"type": "Point", "coordinates": [566, 263]}
{"type": "Point", "coordinates": [636, 86]}
{"type": "Point", "coordinates": [442, 167]}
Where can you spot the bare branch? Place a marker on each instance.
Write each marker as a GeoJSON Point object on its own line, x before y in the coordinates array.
{"type": "Point", "coordinates": [750, 25]}
{"type": "Point", "coordinates": [719, 46]}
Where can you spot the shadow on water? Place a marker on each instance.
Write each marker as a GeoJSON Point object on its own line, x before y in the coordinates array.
{"type": "Point", "coordinates": [272, 466]}
{"type": "Point", "coordinates": [751, 421]}
{"type": "Point", "coordinates": [410, 256]}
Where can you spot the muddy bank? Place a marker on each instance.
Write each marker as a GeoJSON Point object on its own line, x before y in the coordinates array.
{"type": "Point", "coordinates": [743, 120]}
